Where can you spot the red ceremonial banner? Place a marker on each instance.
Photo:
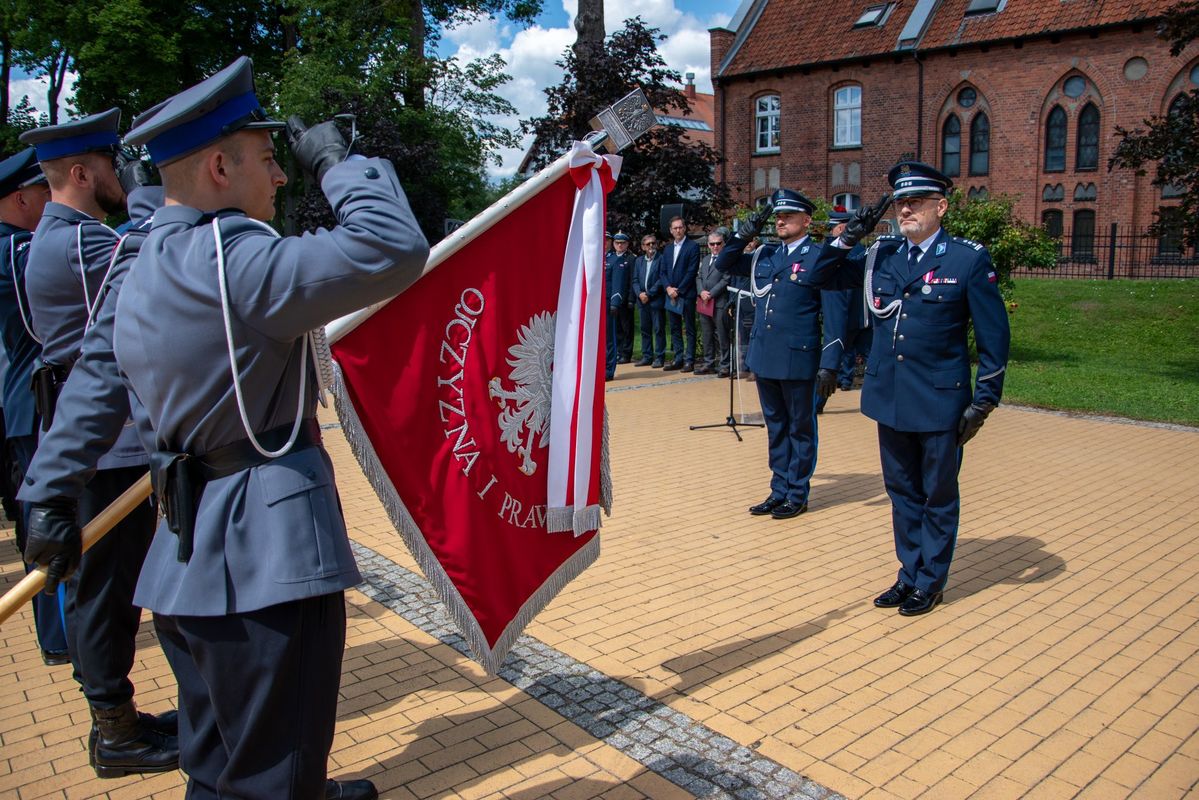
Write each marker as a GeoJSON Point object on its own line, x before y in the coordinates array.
{"type": "Point", "coordinates": [445, 395]}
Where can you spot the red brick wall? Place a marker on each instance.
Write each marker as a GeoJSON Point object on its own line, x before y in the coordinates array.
{"type": "Point", "coordinates": [1017, 86]}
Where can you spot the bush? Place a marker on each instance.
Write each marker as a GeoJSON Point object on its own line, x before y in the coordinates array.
{"type": "Point", "coordinates": [1011, 242]}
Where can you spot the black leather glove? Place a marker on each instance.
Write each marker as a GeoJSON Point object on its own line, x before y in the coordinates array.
{"type": "Point", "coordinates": [826, 383]}
{"type": "Point", "coordinates": [317, 148]}
{"type": "Point", "coordinates": [864, 221]}
{"type": "Point", "coordinates": [751, 226]}
{"type": "Point", "coordinates": [132, 173]}
{"type": "Point", "coordinates": [972, 419]}
{"type": "Point", "coordinates": [54, 540]}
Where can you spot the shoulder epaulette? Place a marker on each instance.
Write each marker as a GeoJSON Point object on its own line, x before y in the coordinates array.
{"type": "Point", "coordinates": [968, 242]}
{"type": "Point", "coordinates": [890, 237]}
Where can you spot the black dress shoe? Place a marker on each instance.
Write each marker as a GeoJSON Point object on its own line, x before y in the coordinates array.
{"type": "Point", "coordinates": [645, 362]}
{"type": "Point", "coordinates": [894, 597]}
{"type": "Point", "coordinates": [624, 360]}
{"type": "Point", "coordinates": [657, 364]}
{"type": "Point", "coordinates": [55, 658]}
{"type": "Point", "coordinates": [919, 602]}
{"type": "Point", "coordinates": [724, 373]}
{"type": "Point", "coordinates": [787, 510]}
{"type": "Point", "coordinates": [766, 506]}
{"type": "Point", "coordinates": [689, 367]}
{"type": "Point", "coordinates": [673, 365]}
{"type": "Point", "coordinates": [350, 790]}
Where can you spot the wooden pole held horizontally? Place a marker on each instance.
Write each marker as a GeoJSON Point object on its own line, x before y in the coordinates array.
{"type": "Point", "coordinates": [105, 521]}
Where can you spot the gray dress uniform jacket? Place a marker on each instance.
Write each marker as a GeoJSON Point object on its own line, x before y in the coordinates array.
{"type": "Point", "coordinates": [94, 407]}
{"type": "Point", "coordinates": [272, 533]}
{"type": "Point", "coordinates": [70, 259]}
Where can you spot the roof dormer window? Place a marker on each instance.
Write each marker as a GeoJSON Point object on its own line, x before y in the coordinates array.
{"type": "Point", "coordinates": [982, 7]}
{"type": "Point", "coordinates": [874, 16]}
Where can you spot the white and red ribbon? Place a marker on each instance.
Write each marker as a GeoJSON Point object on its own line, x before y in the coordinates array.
{"type": "Point", "coordinates": [576, 429]}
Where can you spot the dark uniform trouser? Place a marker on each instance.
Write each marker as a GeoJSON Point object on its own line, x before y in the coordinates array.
{"type": "Point", "coordinates": [682, 332]}
{"type": "Point", "coordinates": [653, 332]}
{"type": "Point", "coordinates": [625, 333]}
{"type": "Point", "coordinates": [610, 355]}
{"type": "Point", "coordinates": [920, 471]}
{"type": "Point", "coordinates": [257, 697]}
{"type": "Point", "coordinates": [789, 408]}
{"type": "Point", "coordinates": [49, 619]}
{"type": "Point", "coordinates": [102, 621]}
{"type": "Point", "coordinates": [715, 336]}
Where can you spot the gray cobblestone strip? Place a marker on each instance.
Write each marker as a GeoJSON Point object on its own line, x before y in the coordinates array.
{"type": "Point", "coordinates": [685, 752]}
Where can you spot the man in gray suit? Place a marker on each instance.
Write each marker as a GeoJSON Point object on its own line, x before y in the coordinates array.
{"type": "Point", "coordinates": [70, 264]}
{"type": "Point", "coordinates": [712, 307]}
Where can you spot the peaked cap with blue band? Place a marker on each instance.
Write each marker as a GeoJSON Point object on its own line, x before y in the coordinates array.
{"type": "Point", "coordinates": [216, 107]}
{"type": "Point", "coordinates": [916, 179]}
{"type": "Point", "coordinates": [95, 132]}
{"type": "Point", "coordinates": [789, 202]}
{"type": "Point", "coordinates": [19, 171]}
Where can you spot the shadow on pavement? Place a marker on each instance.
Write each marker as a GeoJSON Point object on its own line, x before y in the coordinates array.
{"type": "Point", "coordinates": [979, 564]}
{"type": "Point", "coordinates": [699, 668]}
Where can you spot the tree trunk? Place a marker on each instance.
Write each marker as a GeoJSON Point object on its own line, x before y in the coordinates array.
{"type": "Point", "coordinates": [55, 75]}
{"type": "Point", "coordinates": [589, 23]}
{"type": "Point", "coordinates": [418, 71]}
{"type": "Point", "coordinates": [5, 73]}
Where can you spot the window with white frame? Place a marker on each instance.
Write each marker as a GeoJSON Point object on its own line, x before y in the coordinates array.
{"type": "Point", "coordinates": [767, 111]}
{"type": "Point", "coordinates": [851, 202]}
{"type": "Point", "coordinates": [847, 117]}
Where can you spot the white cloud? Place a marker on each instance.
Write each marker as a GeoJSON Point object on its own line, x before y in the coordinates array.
{"type": "Point", "coordinates": [35, 89]}
{"type": "Point", "coordinates": [531, 53]}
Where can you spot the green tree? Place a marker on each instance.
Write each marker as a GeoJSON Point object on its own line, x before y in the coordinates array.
{"type": "Point", "coordinates": [1170, 140]}
{"type": "Point", "coordinates": [1012, 243]}
{"type": "Point", "coordinates": [662, 167]}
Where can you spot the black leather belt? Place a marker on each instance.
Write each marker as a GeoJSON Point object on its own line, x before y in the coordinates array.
{"type": "Point", "coordinates": [179, 478]}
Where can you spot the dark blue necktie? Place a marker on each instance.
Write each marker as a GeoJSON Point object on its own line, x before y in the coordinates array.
{"type": "Point", "coordinates": [913, 257]}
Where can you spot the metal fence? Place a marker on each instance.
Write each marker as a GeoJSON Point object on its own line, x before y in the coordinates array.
{"type": "Point", "coordinates": [1119, 252]}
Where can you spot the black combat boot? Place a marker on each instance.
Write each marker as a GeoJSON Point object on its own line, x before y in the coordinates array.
{"type": "Point", "coordinates": [165, 725]}
{"type": "Point", "coordinates": [350, 790]}
{"type": "Point", "coordinates": [124, 746]}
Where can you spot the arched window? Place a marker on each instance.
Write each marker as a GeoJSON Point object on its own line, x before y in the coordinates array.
{"type": "Point", "coordinates": [951, 146]}
{"type": "Point", "coordinates": [1055, 140]}
{"type": "Point", "coordinates": [767, 111]}
{"type": "Point", "coordinates": [1082, 238]}
{"type": "Point", "coordinates": [980, 144]}
{"type": "Point", "coordinates": [847, 117]}
{"type": "Point", "coordinates": [1177, 105]}
{"type": "Point", "coordinates": [1087, 156]}
{"type": "Point", "coordinates": [1051, 221]}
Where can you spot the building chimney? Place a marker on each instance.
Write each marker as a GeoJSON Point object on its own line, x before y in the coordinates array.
{"type": "Point", "coordinates": [689, 90]}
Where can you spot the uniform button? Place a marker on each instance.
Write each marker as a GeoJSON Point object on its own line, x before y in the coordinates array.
{"type": "Point", "coordinates": [371, 173]}
{"type": "Point", "coordinates": [907, 294]}
{"type": "Point", "coordinates": [958, 385]}
{"type": "Point", "coordinates": [903, 316]}
{"type": "Point", "coordinates": [776, 280]}
{"type": "Point", "coordinates": [768, 327]}
{"type": "Point", "coordinates": [901, 337]}
{"type": "Point", "coordinates": [899, 358]}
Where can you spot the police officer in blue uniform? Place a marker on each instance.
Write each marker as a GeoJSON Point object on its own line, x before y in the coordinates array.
{"type": "Point", "coordinates": [214, 334]}
{"type": "Point", "coordinates": [23, 196]}
{"type": "Point", "coordinates": [71, 258]}
{"type": "Point", "coordinates": [618, 265]}
{"type": "Point", "coordinates": [784, 350]}
{"type": "Point", "coordinates": [924, 288]}
{"type": "Point", "coordinates": [847, 298]}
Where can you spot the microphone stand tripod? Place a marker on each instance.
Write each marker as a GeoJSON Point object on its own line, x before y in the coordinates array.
{"type": "Point", "coordinates": [731, 421]}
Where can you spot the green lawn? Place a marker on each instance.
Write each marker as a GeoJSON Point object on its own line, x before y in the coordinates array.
{"type": "Point", "coordinates": [1126, 348]}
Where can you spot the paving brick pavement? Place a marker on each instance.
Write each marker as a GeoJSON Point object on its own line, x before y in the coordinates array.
{"type": "Point", "coordinates": [1062, 664]}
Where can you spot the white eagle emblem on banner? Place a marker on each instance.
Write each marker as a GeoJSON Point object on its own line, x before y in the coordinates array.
{"type": "Point", "coordinates": [524, 418]}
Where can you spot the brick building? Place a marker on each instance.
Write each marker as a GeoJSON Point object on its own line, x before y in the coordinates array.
{"type": "Point", "coordinates": [1007, 96]}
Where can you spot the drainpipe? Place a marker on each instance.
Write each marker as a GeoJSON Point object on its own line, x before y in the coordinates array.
{"type": "Point", "coordinates": [919, 105]}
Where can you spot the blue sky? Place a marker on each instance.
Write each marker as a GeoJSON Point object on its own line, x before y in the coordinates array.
{"type": "Point", "coordinates": [531, 52]}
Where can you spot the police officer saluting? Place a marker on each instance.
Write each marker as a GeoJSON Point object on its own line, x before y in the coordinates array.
{"type": "Point", "coordinates": [246, 575]}
{"type": "Point", "coordinates": [784, 347]}
{"type": "Point", "coordinates": [924, 288]}
{"type": "Point", "coordinates": [70, 260]}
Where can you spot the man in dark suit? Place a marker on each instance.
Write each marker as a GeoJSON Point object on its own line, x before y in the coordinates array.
{"type": "Point", "coordinates": [711, 284]}
{"type": "Point", "coordinates": [680, 266]}
{"type": "Point", "coordinates": [924, 288]}
{"type": "Point", "coordinates": [784, 349]}
{"type": "Point", "coordinates": [651, 300]}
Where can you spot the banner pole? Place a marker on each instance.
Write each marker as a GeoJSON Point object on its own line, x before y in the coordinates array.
{"type": "Point", "coordinates": [461, 237]}
{"type": "Point", "coordinates": [93, 532]}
